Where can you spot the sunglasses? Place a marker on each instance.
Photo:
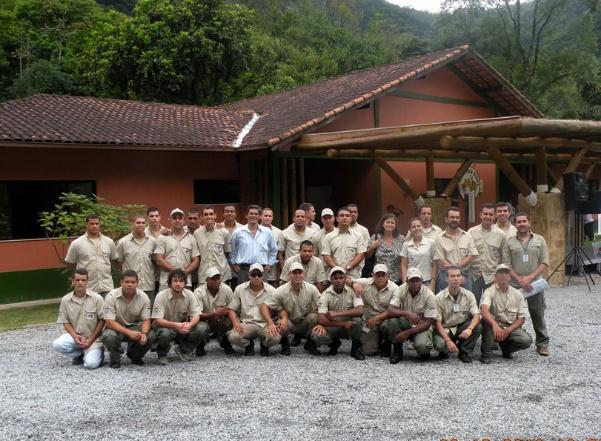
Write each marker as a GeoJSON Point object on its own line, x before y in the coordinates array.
{"type": "Point", "coordinates": [256, 275]}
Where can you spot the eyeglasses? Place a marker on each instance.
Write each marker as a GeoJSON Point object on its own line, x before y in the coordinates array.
{"type": "Point", "coordinates": [256, 275]}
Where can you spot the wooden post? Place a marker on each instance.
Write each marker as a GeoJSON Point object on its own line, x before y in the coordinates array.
{"type": "Point", "coordinates": [589, 171]}
{"type": "Point", "coordinates": [265, 182]}
{"type": "Point", "coordinates": [276, 195]}
{"type": "Point", "coordinates": [301, 176]}
{"type": "Point", "coordinates": [572, 166]}
{"type": "Point", "coordinates": [551, 173]}
{"type": "Point", "coordinates": [509, 171]}
{"type": "Point", "coordinates": [293, 183]}
{"type": "Point", "coordinates": [452, 186]}
{"type": "Point", "coordinates": [285, 208]}
{"type": "Point", "coordinates": [430, 187]}
{"type": "Point", "coordinates": [397, 179]}
{"type": "Point", "coordinates": [542, 183]}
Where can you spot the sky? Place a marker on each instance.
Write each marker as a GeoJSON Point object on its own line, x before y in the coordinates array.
{"type": "Point", "coordinates": [421, 5]}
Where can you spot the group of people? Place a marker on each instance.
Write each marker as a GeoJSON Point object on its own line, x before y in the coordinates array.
{"type": "Point", "coordinates": [240, 283]}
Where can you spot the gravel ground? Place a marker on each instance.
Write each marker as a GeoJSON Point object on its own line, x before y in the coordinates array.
{"type": "Point", "coordinates": [302, 397]}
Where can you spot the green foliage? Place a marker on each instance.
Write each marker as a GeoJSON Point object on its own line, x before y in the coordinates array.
{"type": "Point", "coordinates": [67, 220]}
{"type": "Point", "coordinates": [42, 76]}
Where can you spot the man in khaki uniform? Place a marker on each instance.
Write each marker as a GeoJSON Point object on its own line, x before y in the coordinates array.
{"type": "Point", "coordinates": [273, 275]}
{"type": "Point", "coordinates": [295, 303]}
{"type": "Point", "coordinates": [214, 247]}
{"type": "Point", "coordinates": [127, 316]}
{"type": "Point", "coordinates": [155, 229]}
{"type": "Point", "coordinates": [454, 247]}
{"type": "Point", "coordinates": [178, 250]}
{"type": "Point", "coordinates": [412, 311]}
{"type": "Point", "coordinates": [245, 314]}
{"type": "Point", "coordinates": [376, 292]}
{"type": "Point", "coordinates": [213, 296]}
{"type": "Point", "coordinates": [458, 324]}
{"type": "Point", "coordinates": [358, 228]}
{"type": "Point", "coordinates": [339, 313]}
{"type": "Point", "coordinates": [503, 310]}
{"type": "Point", "coordinates": [293, 236]}
{"type": "Point", "coordinates": [81, 315]}
{"type": "Point", "coordinates": [94, 252]}
{"type": "Point", "coordinates": [429, 230]}
{"type": "Point", "coordinates": [344, 247]}
{"type": "Point", "coordinates": [502, 214]}
{"type": "Point", "coordinates": [528, 261]}
{"type": "Point", "coordinates": [313, 269]}
{"type": "Point", "coordinates": [176, 316]}
{"type": "Point", "coordinates": [327, 219]}
{"type": "Point", "coordinates": [310, 213]}
{"type": "Point", "coordinates": [490, 242]}
{"type": "Point", "coordinates": [135, 252]}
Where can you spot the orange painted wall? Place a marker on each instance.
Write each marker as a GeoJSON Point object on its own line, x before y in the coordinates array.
{"type": "Point", "coordinates": [161, 179]}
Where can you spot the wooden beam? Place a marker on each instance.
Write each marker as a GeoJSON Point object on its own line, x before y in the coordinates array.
{"type": "Point", "coordinates": [572, 166]}
{"type": "Point", "coordinates": [509, 171]}
{"type": "Point", "coordinates": [542, 184]}
{"type": "Point", "coordinates": [551, 173]}
{"type": "Point", "coordinates": [452, 186]}
{"type": "Point", "coordinates": [396, 178]}
{"type": "Point", "coordinates": [430, 187]}
{"type": "Point", "coordinates": [590, 170]}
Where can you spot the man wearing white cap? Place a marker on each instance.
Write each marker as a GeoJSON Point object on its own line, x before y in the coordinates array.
{"type": "Point", "coordinates": [412, 311]}
{"type": "Point", "coordinates": [245, 313]}
{"type": "Point", "coordinates": [213, 296]}
{"type": "Point", "coordinates": [376, 291]}
{"type": "Point", "coordinates": [339, 314]}
{"type": "Point", "coordinates": [177, 250]}
{"type": "Point", "coordinates": [313, 269]}
{"type": "Point", "coordinates": [295, 303]}
{"type": "Point", "coordinates": [327, 219]}
{"type": "Point", "coordinates": [458, 324]}
{"type": "Point", "coordinates": [503, 310]}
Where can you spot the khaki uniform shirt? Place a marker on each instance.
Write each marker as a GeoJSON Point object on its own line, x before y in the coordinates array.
{"type": "Point", "coordinates": [208, 303]}
{"type": "Point", "coordinates": [315, 227]}
{"type": "Point", "coordinates": [157, 269]}
{"type": "Point", "coordinates": [137, 256]}
{"type": "Point", "coordinates": [510, 231]}
{"type": "Point", "coordinates": [453, 311]}
{"type": "Point", "coordinates": [343, 247]}
{"type": "Point", "coordinates": [491, 246]}
{"type": "Point", "coordinates": [423, 304]}
{"type": "Point", "coordinates": [505, 307]}
{"type": "Point", "coordinates": [330, 300]}
{"type": "Point", "coordinates": [213, 246]}
{"type": "Point", "coordinates": [314, 270]}
{"type": "Point", "coordinates": [297, 304]}
{"type": "Point", "coordinates": [126, 314]}
{"type": "Point", "coordinates": [420, 256]}
{"type": "Point", "coordinates": [431, 233]}
{"type": "Point", "coordinates": [248, 305]}
{"type": "Point", "coordinates": [178, 253]}
{"type": "Point", "coordinates": [321, 236]}
{"type": "Point", "coordinates": [376, 301]}
{"type": "Point", "coordinates": [81, 313]}
{"type": "Point", "coordinates": [454, 251]}
{"type": "Point", "coordinates": [95, 256]}
{"type": "Point", "coordinates": [175, 309]}
{"type": "Point", "coordinates": [525, 257]}
{"type": "Point", "coordinates": [291, 240]}
{"type": "Point", "coordinates": [364, 233]}
{"type": "Point", "coordinates": [273, 273]}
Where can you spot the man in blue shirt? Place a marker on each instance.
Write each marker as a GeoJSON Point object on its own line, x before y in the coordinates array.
{"type": "Point", "coordinates": [252, 244]}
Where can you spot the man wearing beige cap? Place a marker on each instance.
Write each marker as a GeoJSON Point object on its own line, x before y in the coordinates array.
{"type": "Point", "coordinates": [412, 311]}
{"type": "Point", "coordinates": [339, 313]}
{"type": "Point", "coordinates": [245, 314]}
{"type": "Point", "coordinates": [295, 303]}
{"type": "Point", "coordinates": [313, 269]}
{"type": "Point", "coordinates": [177, 250]}
{"type": "Point", "coordinates": [458, 324]}
{"type": "Point", "coordinates": [327, 219]}
{"type": "Point", "coordinates": [376, 292]}
{"type": "Point", "coordinates": [503, 310]}
{"type": "Point", "coordinates": [213, 296]}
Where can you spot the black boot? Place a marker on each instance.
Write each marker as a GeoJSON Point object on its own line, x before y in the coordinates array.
{"type": "Point", "coordinates": [285, 345]}
{"type": "Point", "coordinates": [200, 350]}
{"type": "Point", "coordinates": [296, 341]}
{"type": "Point", "coordinates": [397, 353]}
{"type": "Point", "coordinates": [334, 347]}
{"type": "Point", "coordinates": [310, 347]}
{"type": "Point", "coordinates": [227, 346]}
{"type": "Point", "coordinates": [249, 351]}
{"type": "Point", "coordinates": [385, 348]}
{"type": "Point", "coordinates": [356, 351]}
{"type": "Point", "coordinates": [264, 351]}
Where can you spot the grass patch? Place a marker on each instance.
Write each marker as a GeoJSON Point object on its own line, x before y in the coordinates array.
{"type": "Point", "coordinates": [23, 286]}
{"type": "Point", "coordinates": [19, 317]}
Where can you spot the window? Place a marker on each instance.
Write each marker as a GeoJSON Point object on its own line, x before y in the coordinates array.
{"type": "Point", "coordinates": [209, 191]}
{"type": "Point", "coordinates": [22, 201]}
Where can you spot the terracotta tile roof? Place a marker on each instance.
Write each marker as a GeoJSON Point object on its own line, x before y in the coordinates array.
{"type": "Point", "coordinates": [289, 114]}
{"type": "Point", "coordinates": [85, 120]}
